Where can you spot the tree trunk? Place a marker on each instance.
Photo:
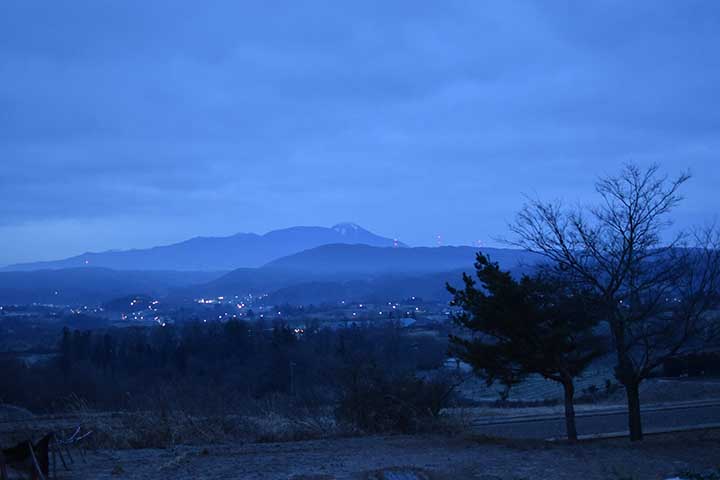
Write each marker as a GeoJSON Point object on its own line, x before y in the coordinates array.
{"type": "Point", "coordinates": [625, 374]}
{"type": "Point", "coordinates": [634, 420]}
{"type": "Point", "coordinates": [570, 428]}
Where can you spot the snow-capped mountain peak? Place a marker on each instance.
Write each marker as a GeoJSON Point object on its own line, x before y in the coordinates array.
{"type": "Point", "coordinates": [347, 228]}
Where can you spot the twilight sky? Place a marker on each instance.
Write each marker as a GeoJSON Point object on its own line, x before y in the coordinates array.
{"type": "Point", "coordinates": [136, 123]}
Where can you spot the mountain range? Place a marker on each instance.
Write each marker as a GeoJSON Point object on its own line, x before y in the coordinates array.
{"type": "Point", "coordinates": [243, 250]}
{"type": "Point", "coordinates": [297, 265]}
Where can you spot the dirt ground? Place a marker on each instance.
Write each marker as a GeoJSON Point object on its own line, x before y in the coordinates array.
{"type": "Point", "coordinates": [436, 457]}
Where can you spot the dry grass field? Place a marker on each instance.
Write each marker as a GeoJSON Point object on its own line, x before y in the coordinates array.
{"type": "Point", "coordinates": [276, 443]}
{"type": "Point", "coordinates": [430, 457]}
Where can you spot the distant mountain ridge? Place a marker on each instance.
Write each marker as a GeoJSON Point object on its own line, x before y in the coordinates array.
{"type": "Point", "coordinates": [362, 270]}
{"type": "Point", "coordinates": [242, 250]}
{"type": "Point", "coordinates": [341, 258]}
{"type": "Point", "coordinates": [91, 285]}
{"type": "Point", "coordinates": [322, 274]}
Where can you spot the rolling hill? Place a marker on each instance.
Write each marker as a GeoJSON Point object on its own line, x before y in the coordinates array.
{"type": "Point", "coordinates": [335, 272]}
{"type": "Point", "coordinates": [363, 259]}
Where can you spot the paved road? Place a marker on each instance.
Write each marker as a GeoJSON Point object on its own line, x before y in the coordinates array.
{"type": "Point", "coordinates": [655, 418]}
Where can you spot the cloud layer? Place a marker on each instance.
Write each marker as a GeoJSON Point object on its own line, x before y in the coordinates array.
{"type": "Point", "coordinates": [125, 124]}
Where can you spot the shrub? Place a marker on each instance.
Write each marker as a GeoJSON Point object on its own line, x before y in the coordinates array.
{"type": "Point", "coordinates": [372, 401]}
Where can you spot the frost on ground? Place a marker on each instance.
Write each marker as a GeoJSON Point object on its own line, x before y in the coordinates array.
{"type": "Point", "coordinates": [401, 457]}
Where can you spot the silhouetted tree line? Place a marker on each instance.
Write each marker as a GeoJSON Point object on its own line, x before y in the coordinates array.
{"type": "Point", "coordinates": [219, 365]}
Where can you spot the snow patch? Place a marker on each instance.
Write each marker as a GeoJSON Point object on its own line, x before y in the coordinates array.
{"type": "Point", "coordinates": [346, 228]}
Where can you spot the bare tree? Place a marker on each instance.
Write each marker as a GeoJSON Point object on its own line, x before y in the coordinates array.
{"type": "Point", "coordinates": [658, 293]}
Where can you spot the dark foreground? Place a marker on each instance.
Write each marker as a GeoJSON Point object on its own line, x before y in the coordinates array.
{"type": "Point", "coordinates": [434, 457]}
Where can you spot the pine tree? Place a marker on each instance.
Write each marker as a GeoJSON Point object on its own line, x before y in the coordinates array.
{"type": "Point", "coordinates": [537, 325]}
